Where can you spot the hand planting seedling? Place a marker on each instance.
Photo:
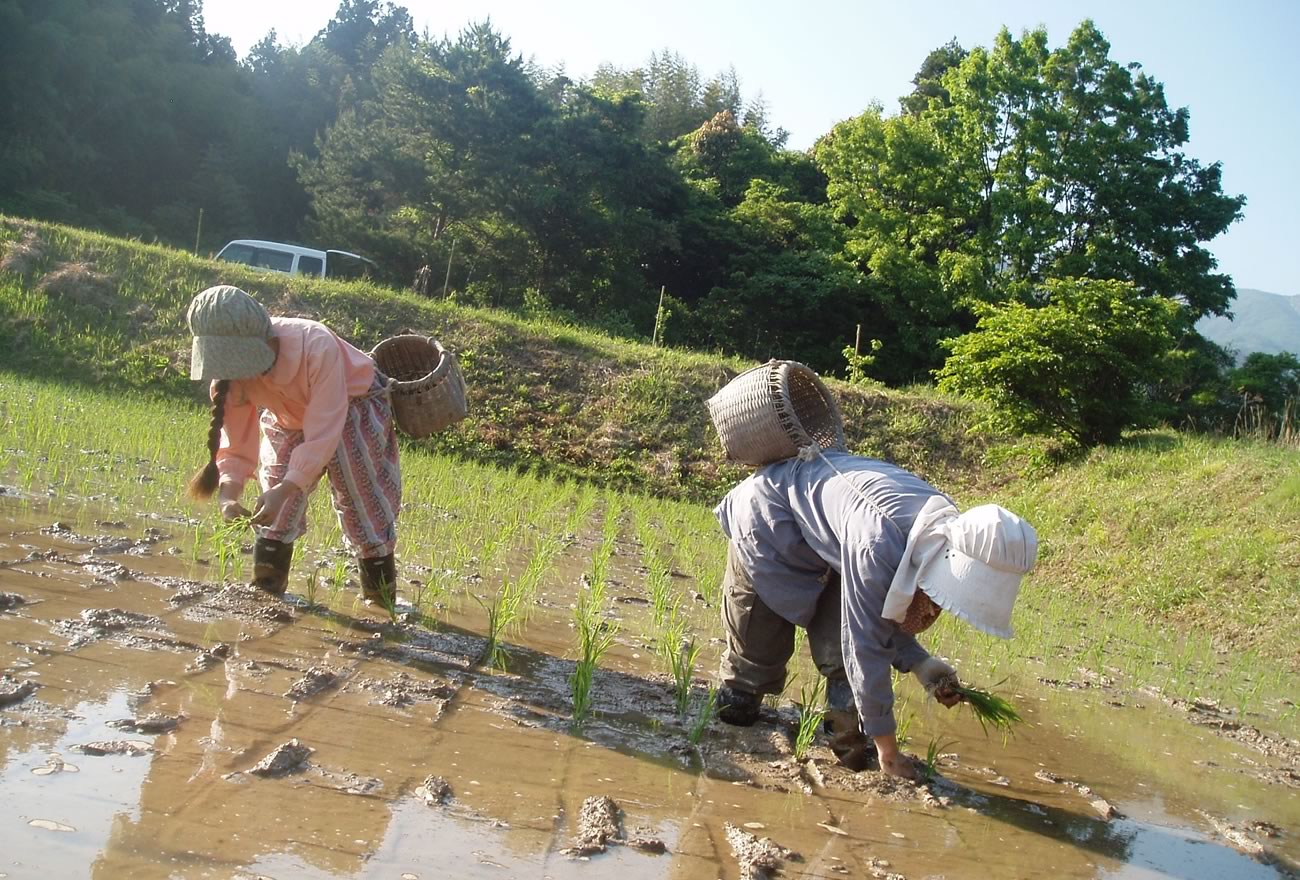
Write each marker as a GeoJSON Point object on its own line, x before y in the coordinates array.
{"type": "Point", "coordinates": [227, 540]}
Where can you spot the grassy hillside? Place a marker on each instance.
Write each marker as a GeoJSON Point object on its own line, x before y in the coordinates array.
{"type": "Point", "coordinates": [1166, 533]}
{"type": "Point", "coordinates": [544, 396]}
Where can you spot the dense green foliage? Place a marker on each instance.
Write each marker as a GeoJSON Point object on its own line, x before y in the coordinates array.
{"type": "Point", "coordinates": [1073, 366]}
{"type": "Point", "coordinates": [457, 162]}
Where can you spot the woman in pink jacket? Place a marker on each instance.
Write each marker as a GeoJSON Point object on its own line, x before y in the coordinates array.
{"type": "Point", "coordinates": [320, 407]}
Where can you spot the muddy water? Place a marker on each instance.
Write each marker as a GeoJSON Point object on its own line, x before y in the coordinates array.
{"type": "Point", "coordinates": [160, 725]}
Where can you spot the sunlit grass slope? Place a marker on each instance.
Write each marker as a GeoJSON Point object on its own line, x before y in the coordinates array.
{"type": "Point", "coordinates": [544, 395]}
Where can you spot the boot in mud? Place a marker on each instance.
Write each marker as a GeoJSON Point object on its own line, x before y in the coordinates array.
{"type": "Point", "coordinates": [852, 748]}
{"type": "Point", "coordinates": [379, 580]}
{"type": "Point", "coordinates": [271, 561]}
{"type": "Point", "coordinates": [737, 707]}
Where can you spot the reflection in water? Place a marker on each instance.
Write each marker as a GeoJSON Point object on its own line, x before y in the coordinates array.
{"type": "Point", "coordinates": [395, 710]}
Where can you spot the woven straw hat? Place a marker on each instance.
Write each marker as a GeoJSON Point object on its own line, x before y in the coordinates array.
{"type": "Point", "coordinates": [230, 330]}
{"type": "Point", "coordinates": [977, 575]}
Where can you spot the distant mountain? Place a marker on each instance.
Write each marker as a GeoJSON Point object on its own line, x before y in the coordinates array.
{"type": "Point", "coordinates": [1267, 322]}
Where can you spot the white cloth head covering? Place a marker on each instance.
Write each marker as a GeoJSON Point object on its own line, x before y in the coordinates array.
{"type": "Point", "coordinates": [230, 330]}
{"type": "Point", "coordinates": [970, 564]}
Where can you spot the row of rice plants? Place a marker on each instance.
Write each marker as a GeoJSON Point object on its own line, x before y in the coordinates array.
{"type": "Point", "coordinates": [595, 634]}
{"type": "Point", "coordinates": [672, 631]}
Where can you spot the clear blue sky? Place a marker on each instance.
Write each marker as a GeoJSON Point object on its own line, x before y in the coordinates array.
{"type": "Point", "coordinates": [816, 63]}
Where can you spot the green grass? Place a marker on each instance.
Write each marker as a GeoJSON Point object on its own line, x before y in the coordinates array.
{"type": "Point", "coordinates": [618, 412]}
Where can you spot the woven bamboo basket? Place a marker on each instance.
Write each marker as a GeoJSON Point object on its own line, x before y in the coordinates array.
{"type": "Point", "coordinates": [427, 386]}
{"type": "Point", "coordinates": [772, 411]}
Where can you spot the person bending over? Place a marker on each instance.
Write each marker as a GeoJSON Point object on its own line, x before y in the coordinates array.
{"type": "Point", "coordinates": [865, 556]}
{"type": "Point", "coordinates": [320, 407]}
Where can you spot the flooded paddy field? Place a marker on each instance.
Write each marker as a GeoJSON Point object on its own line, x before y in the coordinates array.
{"type": "Point", "coordinates": [158, 719]}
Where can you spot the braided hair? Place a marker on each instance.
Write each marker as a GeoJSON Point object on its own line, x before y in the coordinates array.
{"type": "Point", "coordinates": [205, 479]}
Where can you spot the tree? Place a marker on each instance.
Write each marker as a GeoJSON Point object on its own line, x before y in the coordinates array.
{"type": "Point", "coordinates": [1271, 379]}
{"type": "Point", "coordinates": [1074, 366]}
{"type": "Point", "coordinates": [929, 79]}
{"type": "Point", "coordinates": [1077, 170]}
{"type": "Point", "coordinates": [784, 288]}
{"type": "Point", "coordinates": [900, 199]}
{"type": "Point", "coordinates": [1041, 164]}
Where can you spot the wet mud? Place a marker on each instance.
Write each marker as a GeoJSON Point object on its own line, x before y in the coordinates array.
{"type": "Point", "coordinates": [228, 733]}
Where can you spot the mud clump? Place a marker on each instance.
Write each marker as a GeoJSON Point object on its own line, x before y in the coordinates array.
{"type": "Point", "coordinates": [759, 858]}
{"type": "Point", "coordinates": [600, 824]}
{"type": "Point", "coordinates": [1208, 714]}
{"type": "Point", "coordinates": [130, 748]}
{"type": "Point", "coordinates": [1104, 808]}
{"type": "Point", "coordinates": [213, 656]}
{"type": "Point", "coordinates": [880, 869]}
{"type": "Point", "coordinates": [1246, 838]}
{"type": "Point", "coordinates": [155, 723]}
{"type": "Point", "coordinates": [403, 690]}
{"type": "Point", "coordinates": [284, 760]}
{"type": "Point", "coordinates": [242, 601]}
{"type": "Point", "coordinates": [107, 572]}
{"type": "Point", "coordinates": [13, 692]}
{"type": "Point", "coordinates": [100, 623]}
{"type": "Point", "coordinates": [55, 764]}
{"type": "Point", "coordinates": [435, 791]}
{"type": "Point", "coordinates": [314, 680]}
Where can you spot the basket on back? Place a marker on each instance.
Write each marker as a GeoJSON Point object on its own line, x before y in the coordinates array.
{"type": "Point", "coordinates": [427, 387]}
{"type": "Point", "coordinates": [772, 411]}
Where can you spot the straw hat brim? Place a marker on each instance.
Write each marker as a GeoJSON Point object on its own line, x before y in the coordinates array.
{"type": "Point", "coordinates": [976, 592]}
{"type": "Point", "coordinates": [229, 357]}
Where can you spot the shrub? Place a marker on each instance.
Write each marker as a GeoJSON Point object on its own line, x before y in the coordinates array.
{"type": "Point", "coordinates": [1073, 365]}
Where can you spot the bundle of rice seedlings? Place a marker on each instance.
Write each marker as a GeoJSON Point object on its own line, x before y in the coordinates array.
{"type": "Point", "coordinates": [989, 709]}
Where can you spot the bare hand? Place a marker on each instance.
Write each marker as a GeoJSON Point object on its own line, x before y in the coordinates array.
{"type": "Point", "coordinates": [898, 764]}
{"type": "Point", "coordinates": [946, 692]}
{"type": "Point", "coordinates": [233, 510]}
{"type": "Point", "coordinates": [271, 501]}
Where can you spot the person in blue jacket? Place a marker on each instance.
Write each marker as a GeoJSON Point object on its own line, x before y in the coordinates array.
{"type": "Point", "coordinates": [865, 556]}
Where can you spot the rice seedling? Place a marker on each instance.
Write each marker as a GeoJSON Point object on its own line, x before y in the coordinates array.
{"type": "Point", "coordinates": [228, 540]}
{"type": "Point", "coordinates": [933, 752]}
{"type": "Point", "coordinates": [812, 709]}
{"type": "Point", "coordinates": [338, 580]}
{"type": "Point", "coordinates": [502, 616]}
{"type": "Point", "coordinates": [595, 638]}
{"type": "Point", "coordinates": [313, 582]}
{"type": "Point", "coordinates": [904, 727]}
{"type": "Point", "coordinates": [706, 708]}
{"type": "Point", "coordinates": [682, 667]}
{"type": "Point", "coordinates": [989, 709]}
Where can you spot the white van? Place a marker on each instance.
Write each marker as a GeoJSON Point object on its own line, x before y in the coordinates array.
{"type": "Point", "coordinates": [293, 259]}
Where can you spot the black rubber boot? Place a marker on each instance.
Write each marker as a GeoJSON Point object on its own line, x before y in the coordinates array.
{"type": "Point", "coordinates": [737, 707]}
{"type": "Point", "coordinates": [271, 560]}
{"type": "Point", "coordinates": [379, 580]}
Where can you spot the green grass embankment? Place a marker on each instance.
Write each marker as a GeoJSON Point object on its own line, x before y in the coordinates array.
{"type": "Point", "coordinates": [545, 396]}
